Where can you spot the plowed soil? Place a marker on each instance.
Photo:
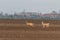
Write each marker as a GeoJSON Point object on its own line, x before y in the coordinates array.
{"type": "Point", "coordinates": [16, 29]}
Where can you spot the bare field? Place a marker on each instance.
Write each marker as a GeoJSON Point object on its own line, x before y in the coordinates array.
{"type": "Point", "coordinates": [17, 30]}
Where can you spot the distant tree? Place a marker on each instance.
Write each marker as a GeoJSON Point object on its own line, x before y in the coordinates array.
{"type": "Point", "coordinates": [15, 14]}
{"type": "Point", "coordinates": [54, 12]}
{"type": "Point", "coordinates": [10, 16]}
{"type": "Point", "coordinates": [40, 14]}
{"type": "Point", "coordinates": [6, 14]}
{"type": "Point", "coordinates": [1, 13]}
{"type": "Point", "coordinates": [23, 12]}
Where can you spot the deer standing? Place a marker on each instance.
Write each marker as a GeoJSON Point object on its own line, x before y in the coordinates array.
{"type": "Point", "coordinates": [45, 24]}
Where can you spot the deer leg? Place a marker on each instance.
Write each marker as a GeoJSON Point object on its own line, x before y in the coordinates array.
{"type": "Point", "coordinates": [43, 26]}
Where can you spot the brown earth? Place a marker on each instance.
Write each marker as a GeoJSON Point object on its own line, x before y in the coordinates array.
{"type": "Point", "coordinates": [13, 29]}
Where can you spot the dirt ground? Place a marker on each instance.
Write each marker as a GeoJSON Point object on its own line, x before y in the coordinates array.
{"type": "Point", "coordinates": [17, 30]}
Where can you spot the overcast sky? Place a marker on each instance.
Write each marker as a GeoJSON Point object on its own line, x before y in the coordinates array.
{"type": "Point", "coordinates": [29, 5]}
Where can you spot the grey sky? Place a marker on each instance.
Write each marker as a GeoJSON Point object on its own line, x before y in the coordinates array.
{"type": "Point", "coordinates": [29, 5]}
